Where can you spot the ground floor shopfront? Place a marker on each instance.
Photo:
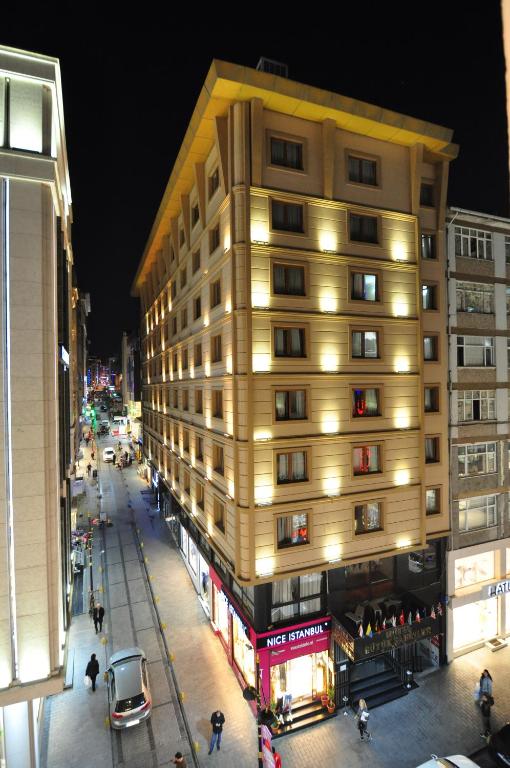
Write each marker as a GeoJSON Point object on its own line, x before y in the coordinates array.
{"type": "Point", "coordinates": [479, 596]}
{"type": "Point", "coordinates": [291, 663]}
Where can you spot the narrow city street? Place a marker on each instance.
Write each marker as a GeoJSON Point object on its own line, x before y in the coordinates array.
{"type": "Point", "coordinates": [150, 602]}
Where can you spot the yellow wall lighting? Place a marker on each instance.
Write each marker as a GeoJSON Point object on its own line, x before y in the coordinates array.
{"type": "Point", "coordinates": [333, 552]}
{"type": "Point", "coordinates": [263, 495]}
{"type": "Point", "coordinates": [400, 307]}
{"type": "Point", "coordinates": [402, 477]}
{"type": "Point", "coordinates": [402, 365]}
{"type": "Point", "coordinates": [398, 251]}
{"type": "Point", "coordinates": [330, 424]}
{"type": "Point", "coordinates": [331, 486]}
{"type": "Point", "coordinates": [328, 303]}
{"type": "Point", "coordinates": [228, 306]}
{"type": "Point", "coordinates": [261, 362]}
{"type": "Point", "coordinates": [329, 363]}
{"type": "Point", "coordinates": [402, 419]}
{"type": "Point", "coordinates": [262, 434]}
{"type": "Point", "coordinates": [259, 232]}
{"type": "Point", "coordinates": [228, 363]}
{"type": "Point", "coordinates": [328, 241]}
{"type": "Point", "coordinates": [226, 241]}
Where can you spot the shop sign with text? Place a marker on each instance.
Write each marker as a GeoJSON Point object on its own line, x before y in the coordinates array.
{"type": "Point", "coordinates": [293, 635]}
{"type": "Point", "coordinates": [381, 642]}
{"type": "Point", "coordinates": [232, 610]}
{"type": "Point", "coordinates": [501, 588]}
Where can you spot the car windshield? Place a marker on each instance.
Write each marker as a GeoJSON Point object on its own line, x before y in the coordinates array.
{"type": "Point", "coordinates": [125, 705]}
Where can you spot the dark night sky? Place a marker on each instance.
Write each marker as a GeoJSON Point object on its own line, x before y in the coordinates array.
{"type": "Point", "coordinates": [130, 87]}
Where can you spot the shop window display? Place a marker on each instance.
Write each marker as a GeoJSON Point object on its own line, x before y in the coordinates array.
{"type": "Point", "coordinates": [475, 622]}
{"type": "Point", "coordinates": [301, 678]}
{"type": "Point", "coordinates": [471, 570]}
{"type": "Point", "coordinates": [244, 654]}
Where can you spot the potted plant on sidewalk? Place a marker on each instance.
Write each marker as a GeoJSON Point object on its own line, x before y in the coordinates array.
{"type": "Point", "coordinates": [331, 699]}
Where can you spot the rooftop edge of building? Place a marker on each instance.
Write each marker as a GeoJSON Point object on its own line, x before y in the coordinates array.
{"type": "Point", "coordinates": [227, 83]}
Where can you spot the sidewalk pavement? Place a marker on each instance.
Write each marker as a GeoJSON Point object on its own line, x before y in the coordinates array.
{"type": "Point", "coordinates": [440, 716]}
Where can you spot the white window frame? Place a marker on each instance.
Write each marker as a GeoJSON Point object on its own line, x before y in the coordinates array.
{"type": "Point", "coordinates": [483, 292]}
{"type": "Point", "coordinates": [490, 458]}
{"type": "Point", "coordinates": [465, 399]}
{"type": "Point", "coordinates": [473, 243]}
{"type": "Point", "coordinates": [483, 504]}
{"type": "Point", "coordinates": [473, 343]}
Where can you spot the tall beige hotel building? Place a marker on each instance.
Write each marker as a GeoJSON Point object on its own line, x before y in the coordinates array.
{"type": "Point", "coordinates": [295, 383]}
{"type": "Point", "coordinates": [36, 434]}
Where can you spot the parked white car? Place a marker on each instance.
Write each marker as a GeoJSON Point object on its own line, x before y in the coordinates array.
{"type": "Point", "coordinates": [108, 454]}
{"type": "Point", "coordinates": [453, 761]}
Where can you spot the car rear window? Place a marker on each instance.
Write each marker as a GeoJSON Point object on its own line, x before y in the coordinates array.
{"type": "Point", "coordinates": [125, 705]}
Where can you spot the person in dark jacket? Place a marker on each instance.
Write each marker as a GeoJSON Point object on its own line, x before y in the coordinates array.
{"type": "Point", "coordinates": [92, 670]}
{"type": "Point", "coordinates": [179, 760]}
{"type": "Point", "coordinates": [217, 722]}
{"type": "Point", "coordinates": [98, 617]}
{"type": "Point", "coordinates": [485, 708]}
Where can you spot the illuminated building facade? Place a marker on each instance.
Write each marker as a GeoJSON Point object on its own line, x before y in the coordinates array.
{"type": "Point", "coordinates": [479, 303]}
{"type": "Point", "coordinates": [36, 458]}
{"type": "Point", "coordinates": [293, 357]}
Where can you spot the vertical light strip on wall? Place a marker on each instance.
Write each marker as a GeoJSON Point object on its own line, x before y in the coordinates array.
{"type": "Point", "coordinates": [6, 344]}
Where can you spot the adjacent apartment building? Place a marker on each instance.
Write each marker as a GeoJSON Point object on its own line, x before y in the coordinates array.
{"type": "Point", "coordinates": [479, 300]}
{"type": "Point", "coordinates": [35, 396]}
{"type": "Point", "coordinates": [295, 396]}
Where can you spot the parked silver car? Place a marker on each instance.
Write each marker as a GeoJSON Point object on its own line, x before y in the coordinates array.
{"type": "Point", "coordinates": [128, 688]}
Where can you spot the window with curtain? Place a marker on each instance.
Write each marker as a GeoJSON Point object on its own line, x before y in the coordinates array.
{"type": "Point", "coordinates": [290, 405]}
{"type": "Point", "coordinates": [292, 530]}
{"type": "Point", "coordinates": [476, 459]}
{"type": "Point", "coordinates": [362, 170]}
{"type": "Point", "coordinates": [297, 596]}
{"type": "Point", "coordinates": [291, 467]}
{"type": "Point", "coordinates": [367, 517]}
{"type": "Point", "coordinates": [289, 342]}
{"type": "Point", "coordinates": [431, 450]}
{"type": "Point", "coordinates": [288, 154]}
{"type": "Point", "coordinates": [363, 229]}
{"type": "Point", "coordinates": [366, 459]}
{"type": "Point", "coordinates": [288, 280]}
{"type": "Point", "coordinates": [477, 512]}
{"type": "Point", "coordinates": [430, 348]}
{"type": "Point", "coordinates": [363, 286]}
{"type": "Point", "coordinates": [432, 501]}
{"type": "Point", "coordinates": [429, 297]}
{"type": "Point", "coordinates": [431, 399]}
{"type": "Point", "coordinates": [365, 402]}
{"type": "Point", "coordinates": [287, 217]}
{"type": "Point", "coordinates": [428, 246]}
{"type": "Point", "coordinates": [365, 344]}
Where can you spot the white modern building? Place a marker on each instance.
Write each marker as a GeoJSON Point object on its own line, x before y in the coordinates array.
{"type": "Point", "coordinates": [478, 248]}
{"type": "Point", "coordinates": [35, 428]}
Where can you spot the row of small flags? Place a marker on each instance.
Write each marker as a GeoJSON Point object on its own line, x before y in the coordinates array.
{"type": "Point", "coordinates": [400, 620]}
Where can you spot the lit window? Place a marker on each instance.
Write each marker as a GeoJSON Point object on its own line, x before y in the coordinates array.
{"type": "Point", "coordinates": [291, 467]}
{"type": "Point", "coordinates": [430, 348]}
{"type": "Point", "coordinates": [367, 517]}
{"type": "Point", "coordinates": [364, 287]}
{"type": "Point", "coordinates": [365, 344]}
{"type": "Point", "coordinates": [290, 405]}
{"type": "Point", "coordinates": [292, 530]}
{"type": "Point", "coordinates": [476, 405]}
{"type": "Point", "coordinates": [477, 459]}
{"type": "Point", "coordinates": [366, 459]}
{"type": "Point", "coordinates": [477, 512]}
{"type": "Point", "coordinates": [432, 501]}
{"type": "Point", "coordinates": [365, 402]}
{"type": "Point", "coordinates": [289, 342]}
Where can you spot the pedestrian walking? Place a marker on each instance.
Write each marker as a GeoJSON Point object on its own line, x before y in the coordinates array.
{"type": "Point", "coordinates": [87, 441]}
{"type": "Point", "coordinates": [92, 455]}
{"type": "Point", "coordinates": [486, 685]}
{"type": "Point", "coordinates": [98, 617]}
{"type": "Point", "coordinates": [179, 760]}
{"type": "Point", "coordinates": [362, 716]}
{"type": "Point", "coordinates": [217, 723]}
{"type": "Point", "coordinates": [92, 670]}
{"type": "Point", "coordinates": [485, 708]}
{"type": "Point", "coordinates": [89, 468]}
{"type": "Point", "coordinates": [277, 758]}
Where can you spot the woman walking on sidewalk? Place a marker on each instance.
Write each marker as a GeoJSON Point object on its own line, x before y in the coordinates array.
{"type": "Point", "coordinates": [362, 716]}
{"type": "Point", "coordinates": [92, 670]}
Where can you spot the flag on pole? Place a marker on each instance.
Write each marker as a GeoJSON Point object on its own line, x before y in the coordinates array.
{"type": "Point", "coordinates": [393, 621]}
{"type": "Point", "coordinates": [383, 626]}
{"type": "Point", "coordinates": [401, 618]}
{"type": "Point", "coordinates": [360, 630]}
{"type": "Point", "coordinates": [417, 617]}
{"type": "Point", "coordinates": [439, 609]}
{"type": "Point", "coordinates": [369, 630]}
{"type": "Point", "coordinates": [410, 618]}
{"type": "Point", "coordinates": [432, 613]}
{"type": "Point", "coordinates": [377, 627]}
